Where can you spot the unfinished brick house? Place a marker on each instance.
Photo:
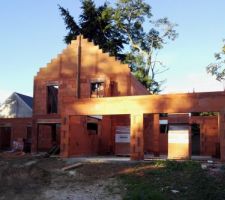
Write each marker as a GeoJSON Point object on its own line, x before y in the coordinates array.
{"type": "Point", "coordinates": [69, 110]}
{"type": "Point", "coordinates": [82, 70]}
{"type": "Point", "coordinates": [88, 103]}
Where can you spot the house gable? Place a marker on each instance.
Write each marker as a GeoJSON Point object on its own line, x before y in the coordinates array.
{"type": "Point", "coordinates": [15, 107]}
{"type": "Point", "coordinates": [74, 71]}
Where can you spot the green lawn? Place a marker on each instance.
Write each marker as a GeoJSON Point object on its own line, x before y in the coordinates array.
{"type": "Point", "coordinates": [157, 180]}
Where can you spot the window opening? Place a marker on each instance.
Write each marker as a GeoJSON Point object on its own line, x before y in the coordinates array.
{"type": "Point", "coordinates": [92, 128]}
{"type": "Point", "coordinates": [52, 99]}
{"type": "Point", "coordinates": [97, 89]}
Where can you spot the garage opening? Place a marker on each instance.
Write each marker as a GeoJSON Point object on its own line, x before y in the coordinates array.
{"type": "Point", "coordinates": [99, 135]}
{"type": "Point", "coordinates": [165, 135]}
{"type": "Point", "coordinates": [5, 138]}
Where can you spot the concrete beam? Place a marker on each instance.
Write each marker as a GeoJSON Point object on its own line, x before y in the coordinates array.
{"type": "Point", "coordinates": [169, 103]}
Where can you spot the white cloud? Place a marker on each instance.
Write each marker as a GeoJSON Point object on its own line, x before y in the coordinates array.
{"type": "Point", "coordinates": [199, 82]}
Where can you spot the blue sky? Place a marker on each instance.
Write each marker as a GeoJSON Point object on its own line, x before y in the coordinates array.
{"type": "Point", "coordinates": [32, 34]}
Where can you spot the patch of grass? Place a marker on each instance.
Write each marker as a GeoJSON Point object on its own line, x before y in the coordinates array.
{"type": "Point", "coordinates": [158, 180]}
{"type": "Point", "coordinates": [137, 189]}
{"type": "Point", "coordinates": [187, 165]}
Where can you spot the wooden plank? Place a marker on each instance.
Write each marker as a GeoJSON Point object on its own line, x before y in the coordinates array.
{"type": "Point", "coordinates": [73, 166]}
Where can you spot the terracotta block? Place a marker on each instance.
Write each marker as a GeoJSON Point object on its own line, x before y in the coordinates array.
{"type": "Point", "coordinates": [19, 129]}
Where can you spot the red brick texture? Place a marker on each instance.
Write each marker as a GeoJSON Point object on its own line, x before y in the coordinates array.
{"type": "Point", "coordinates": [19, 127]}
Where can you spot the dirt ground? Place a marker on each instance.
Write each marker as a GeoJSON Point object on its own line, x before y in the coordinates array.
{"type": "Point", "coordinates": [26, 177]}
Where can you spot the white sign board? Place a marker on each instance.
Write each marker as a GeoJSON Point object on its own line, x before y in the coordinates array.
{"type": "Point", "coordinates": [122, 138]}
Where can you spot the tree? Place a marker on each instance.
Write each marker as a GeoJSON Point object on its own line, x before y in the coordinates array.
{"type": "Point", "coordinates": [130, 15]}
{"type": "Point", "coordinates": [96, 25]}
{"type": "Point", "coordinates": [217, 68]}
{"type": "Point", "coordinates": [114, 28]}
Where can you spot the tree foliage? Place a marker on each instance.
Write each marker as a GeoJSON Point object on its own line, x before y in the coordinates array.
{"type": "Point", "coordinates": [130, 15]}
{"type": "Point", "coordinates": [96, 24]}
{"type": "Point", "coordinates": [217, 68]}
{"type": "Point", "coordinates": [120, 30]}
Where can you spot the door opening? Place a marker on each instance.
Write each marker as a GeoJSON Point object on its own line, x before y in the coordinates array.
{"type": "Point", "coordinates": [195, 139]}
{"type": "Point", "coordinates": [5, 138]}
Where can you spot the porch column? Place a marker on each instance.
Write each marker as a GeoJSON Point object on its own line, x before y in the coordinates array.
{"type": "Point", "coordinates": [221, 128]}
{"type": "Point", "coordinates": [64, 140]}
{"type": "Point", "coordinates": [156, 133]}
{"type": "Point", "coordinates": [136, 137]}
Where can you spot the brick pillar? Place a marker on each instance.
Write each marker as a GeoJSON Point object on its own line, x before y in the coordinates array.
{"type": "Point", "coordinates": [34, 137]}
{"type": "Point", "coordinates": [137, 137]}
{"type": "Point", "coordinates": [155, 131]}
{"type": "Point", "coordinates": [221, 128]}
{"type": "Point", "coordinates": [64, 137]}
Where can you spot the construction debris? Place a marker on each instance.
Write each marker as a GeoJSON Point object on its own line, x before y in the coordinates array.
{"type": "Point", "coordinates": [18, 145]}
{"type": "Point", "coordinates": [32, 162]}
{"type": "Point", "coordinates": [203, 166]}
{"type": "Point", "coordinates": [174, 191]}
{"type": "Point", "coordinates": [55, 149]}
{"type": "Point", "coordinates": [72, 166]}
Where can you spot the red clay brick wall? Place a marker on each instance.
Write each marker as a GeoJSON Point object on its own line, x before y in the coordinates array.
{"type": "Point", "coordinates": [137, 88]}
{"type": "Point", "coordinates": [18, 126]}
{"type": "Point", "coordinates": [152, 140]}
{"type": "Point", "coordinates": [148, 123]}
{"type": "Point", "coordinates": [81, 142]}
{"type": "Point", "coordinates": [181, 118]}
{"type": "Point", "coordinates": [208, 133]}
{"type": "Point", "coordinates": [163, 145]}
{"type": "Point", "coordinates": [44, 138]}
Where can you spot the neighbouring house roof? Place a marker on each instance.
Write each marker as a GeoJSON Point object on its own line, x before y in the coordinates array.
{"type": "Point", "coordinates": [27, 99]}
{"type": "Point", "coordinates": [17, 106]}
